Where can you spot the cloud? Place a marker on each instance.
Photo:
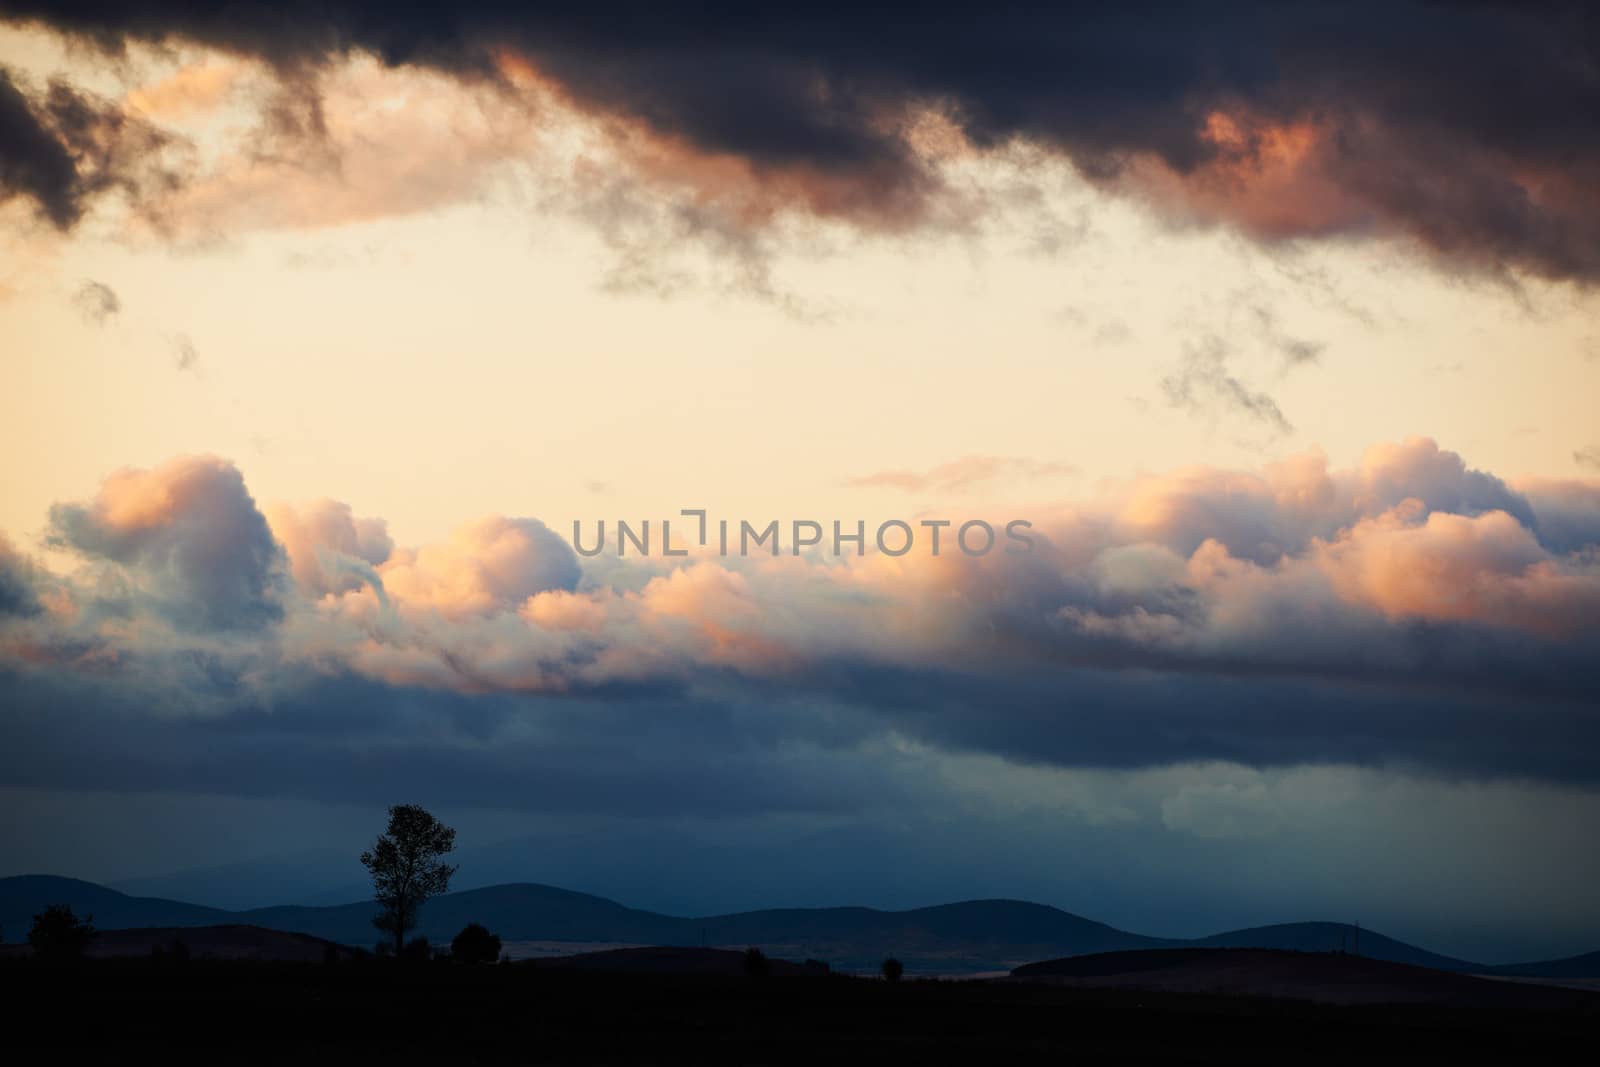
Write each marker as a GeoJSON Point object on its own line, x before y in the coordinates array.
{"type": "Point", "coordinates": [194, 88]}
{"type": "Point", "coordinates": [63, 148]}
{"type": "Point", "coordinates": [1568, 511]}
{"type": "Point", "coordinates": [1587, 457]}
{"type": "Point", "coordinates": [17, 594]}
{"type": "Point", "coordinates": [33, 161]}
{"type": "Point", "coordinates": [1203, 386]}
{"type": "Point", "coordinates": [490, 565]}
{"type": "Point", "coordinates": [356, 143]}
{"type": "Point", "coordinates": [962, 475]}
{"type": "Point", "coordinates": [330, 550]}
{"type": "Point", "coordinates": [1222, 810]}
{"type": "Point", "coordinates": [1406, 611]}
{"type": "Point", "coordinates": [184, 355]}
{"type": "Point", "coordinates": [1487, 568]}
{"type": "Point", "coordinates": [97, 302]}
{"type": "Point", "coordinates": [1467, 135]}
{"type": "Point", "coordinates": [187, 536]}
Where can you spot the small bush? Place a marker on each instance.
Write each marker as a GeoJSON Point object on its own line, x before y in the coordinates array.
{"type": "Point", "coordinates": [475, 944]}
{"type": "Point", "coordinates": [417, 950]}
{"type": "Point", "coordinates": [58, 934]}
{"type": "Point", "coordinates": [893, 969]}
{"type": "Point", "coordinates": [755, 963]}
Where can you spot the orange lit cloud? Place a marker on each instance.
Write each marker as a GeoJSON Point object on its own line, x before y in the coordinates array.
{"type": "Point", "coordinates": [1295, 569]}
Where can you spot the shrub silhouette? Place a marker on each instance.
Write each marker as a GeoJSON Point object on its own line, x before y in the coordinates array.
{"type": "Point", "coordinates": [58, 934]}
{"type": "Point", "coordinates": [417, 950]}
{"type": "Point", "coordinates": [755, 963]}
{"type": "Point", "coordinates": [174, 951]}
{"type": "Point", "coordinates": [893, 969]}
{"type": "Point", "coordinates": [475, 944]}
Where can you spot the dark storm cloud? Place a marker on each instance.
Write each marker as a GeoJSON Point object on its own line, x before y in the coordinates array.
{"type": "Point", "coordinates": [61, 148]}
{"type": "Point", "coordinates": [33, 161]}
{"type": "Point", "coordinates": [1470, 130]}
{"type": "Point", "coordinates": [743, 748]}
{"type": "Point", "coordinates": [336, 740]}
{"type": "Point", "coordinates": [1525, 726]}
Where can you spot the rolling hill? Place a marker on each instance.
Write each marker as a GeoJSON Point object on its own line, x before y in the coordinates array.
{"type": "Point", "coordinates": [1335, 937]}
{"type": "Point", "coordinates": [967, 937]}
{"type": "Point", "coordinates": [1322, 977]}
{"type": "Point", "coordinates": [24, 896]}
{"type": "Point", "coordinates": [1584, 966]}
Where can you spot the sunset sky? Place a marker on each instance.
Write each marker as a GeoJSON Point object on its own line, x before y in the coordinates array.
{"type": "Point", "coordinates": [321, 326]}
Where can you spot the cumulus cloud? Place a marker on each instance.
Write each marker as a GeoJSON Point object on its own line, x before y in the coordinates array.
{"type": "Point", "coordinates": [330, 550]}
{"type": "Point", "coordinates": [188, 536]}
{"type": "Point", "coordinates": [1486, 568]}
{"type": "Point", "coordinates": [1568, 511]}
{"type": "Point", "coordinates": [490, 565]}
{"type": "Point", "coordinates": [1409, 609]}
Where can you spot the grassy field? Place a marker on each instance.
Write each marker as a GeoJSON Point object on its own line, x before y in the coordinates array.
{"type": "Point", "coordinates": [444, 1013]}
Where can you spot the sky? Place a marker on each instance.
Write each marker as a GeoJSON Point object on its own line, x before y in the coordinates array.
{"type": "Point", "coordinates": [321, 329]}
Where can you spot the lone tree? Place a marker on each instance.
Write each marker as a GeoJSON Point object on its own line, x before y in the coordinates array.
{"type": "Point", "coordinates": [893, 969]}
{"type": "Point", "coordinates": [475, 944]}
{"type": "Point", "coordinates": [406, 868]}
{"type": "Point", "coordinates": [58, 934]}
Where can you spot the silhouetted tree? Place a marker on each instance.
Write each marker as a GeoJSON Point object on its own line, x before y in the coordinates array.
{"type": "Point", "coordinates": [475, 944]}
{"type": "Point", "coordinates": [755, 963]}
{"type": "Point", "coordinates": [406, 868]}
{"type": "Point", "coordinates": [893, 969]}
{"type": "Point", "coordinates": [58, 934]}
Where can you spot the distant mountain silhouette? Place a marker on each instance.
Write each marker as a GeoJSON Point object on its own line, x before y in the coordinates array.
{"type": "Point", "coordinates": [298, 878]}
{"type": "Point", "coordinates": [977, 935]}
{"type": "Point", "coordinates": [24, 896]}
{"type": "Point", "coordinates": [1584, 966]}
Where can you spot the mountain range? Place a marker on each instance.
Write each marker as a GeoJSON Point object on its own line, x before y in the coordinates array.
{"type": "Point", "coordinates": [967, 937]}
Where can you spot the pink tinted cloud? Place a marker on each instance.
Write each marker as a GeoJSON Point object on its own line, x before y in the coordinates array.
{"type": "Point", "coordinates": [1293, 568]}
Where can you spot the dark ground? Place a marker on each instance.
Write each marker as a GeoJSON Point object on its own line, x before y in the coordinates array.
{"type": "Point", "coordinates": [372, 1011]}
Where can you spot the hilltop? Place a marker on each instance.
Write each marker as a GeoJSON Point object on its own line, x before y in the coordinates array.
{"type": "Point", "coordinates": [968, 937]}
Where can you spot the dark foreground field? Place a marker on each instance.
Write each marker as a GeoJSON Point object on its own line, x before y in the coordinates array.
{"type": "Point", "coordinates": [356, 1012]}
